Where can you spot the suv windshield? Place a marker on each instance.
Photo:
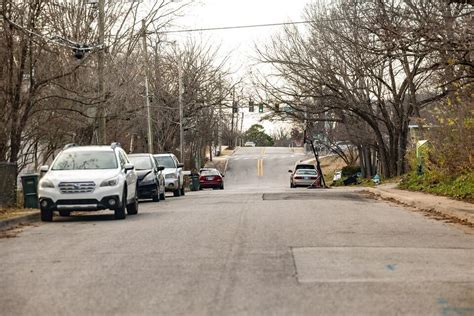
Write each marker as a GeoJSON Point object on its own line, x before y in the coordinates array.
{"type": "Point", "coordinates": [165, 161]}
{"type": "Point", "coordinates": [84, 160]}
{"type": "Point", "coordinates": [141, 162]}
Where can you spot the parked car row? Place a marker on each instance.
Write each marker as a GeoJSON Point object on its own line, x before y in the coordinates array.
{"type": "Point", "coordinates": [91, 178]}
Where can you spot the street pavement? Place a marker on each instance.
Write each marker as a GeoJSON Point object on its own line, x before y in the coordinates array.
{"type": "Point", "coordinates": [255, 248]}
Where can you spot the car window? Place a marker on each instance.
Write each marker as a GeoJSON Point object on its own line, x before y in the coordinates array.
{"type": "Point", "coordinates": [298, 167]}
{"type": "Point", "coordinates": [210, 173]}
{"type": "Point", "coordinates": [85, 160]}
{"type": "Point", "coordinates": [141, 162]}
{"type": "Point", "coordinates": [306, 171]}
{"type": "Point", "coordinates": [123, 159]}
{"type": "Point", "coordinates": [165, 161]}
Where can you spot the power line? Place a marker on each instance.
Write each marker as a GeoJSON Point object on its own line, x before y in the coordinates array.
{"type": "Point", "coordinates": [234, 27]}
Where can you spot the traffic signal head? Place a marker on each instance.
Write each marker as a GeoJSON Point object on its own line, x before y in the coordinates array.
{"type": "Point", "coordinates": [260, 108]}
{"type": "Point", "coordinates": [251, 106]}
{"type": "Point", "coordinates": [78, 52]}
{"type": "Point", "coordinates": [235, 109]}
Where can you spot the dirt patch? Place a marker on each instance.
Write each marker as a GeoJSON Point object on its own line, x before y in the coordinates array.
{"type": "Point", "coordinates": [14, 231]}
{"type": "Point", "coordinates": [6, 213]}
{"type": "Point", "coordinates": [428, 212]}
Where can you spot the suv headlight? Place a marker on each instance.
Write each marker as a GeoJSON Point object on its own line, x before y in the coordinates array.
{"type": "Point", "coordinates": [171, 176]}
{"type": "Point", "coordinates": [45, 183]}
{"type": "Point", "coordinates": [110, 182]}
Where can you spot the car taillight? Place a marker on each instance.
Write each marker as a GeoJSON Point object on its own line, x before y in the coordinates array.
{"type": "Point", "coordinates": [217, 178]}
{"type": "Point", "coordinates": [298, 178]}
{"type": "Point", "coordinates": [201, 178]}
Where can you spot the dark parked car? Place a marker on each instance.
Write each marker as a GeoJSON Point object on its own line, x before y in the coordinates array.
{"type": "Point", "coordinates": [211, 178]}
{"type": "Point", "coordinates": [151, 182]}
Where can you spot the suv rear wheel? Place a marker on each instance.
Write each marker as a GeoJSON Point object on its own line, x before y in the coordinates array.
{"type": "Point", "coordinates": [132, 209]}
{"type": "Point", "coordinates": [120, 211]}
{"type": "Point", "coordinates": [156, 196]}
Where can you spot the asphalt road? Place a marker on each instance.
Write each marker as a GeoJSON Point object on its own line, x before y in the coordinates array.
{"type": "Point", "coordinates": [256, 248]}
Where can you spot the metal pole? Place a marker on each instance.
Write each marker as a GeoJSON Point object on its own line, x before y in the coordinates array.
{"type": "Point", "coordinates": [232, 145]}
{"type": "Point", "coordinates": [180, 104]}
{"type": "Point", "coordinates": [241, 128]}
{"type": "Point", "coordinates": [100, 114]}
{"type": "Point", "coordinates": [147, 97]}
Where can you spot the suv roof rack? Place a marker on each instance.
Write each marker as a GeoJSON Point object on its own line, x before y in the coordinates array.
{"type": "Point", "coordinates": [115, 145]}
{"type": "Point", "coordinates": [70, 145]}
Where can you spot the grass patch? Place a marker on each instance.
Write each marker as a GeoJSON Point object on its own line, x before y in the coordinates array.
{"type": "Point", "coordinates": [459, 187]}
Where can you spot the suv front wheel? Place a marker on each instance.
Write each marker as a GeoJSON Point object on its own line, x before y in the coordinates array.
{"type": "Point", "coordinates": [46, 215]}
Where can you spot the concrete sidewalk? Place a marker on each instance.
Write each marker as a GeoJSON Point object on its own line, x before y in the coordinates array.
{"type": "Point", "coordinates": [444, 206]}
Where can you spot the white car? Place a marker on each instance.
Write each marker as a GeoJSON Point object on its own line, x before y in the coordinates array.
{"type": "Point", "coordinates": [173, 172]}
{"type": "Point", "coordinates": [88, 178]}
{"type": "Point", "coordinates": [249, 144]}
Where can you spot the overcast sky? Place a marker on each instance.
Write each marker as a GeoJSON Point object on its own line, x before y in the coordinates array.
{"type": "Point", "coordinates": [239, 43]}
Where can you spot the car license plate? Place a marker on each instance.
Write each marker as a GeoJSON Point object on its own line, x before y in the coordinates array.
{"type": "Point", "coordinates": [306, 178]}
{"type": "Point", "coordinates": [209, 178]}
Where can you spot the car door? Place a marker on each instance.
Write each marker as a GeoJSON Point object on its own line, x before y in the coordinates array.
{"type": "Point", "coordinates": [179, 171]}
{"type": "Point", "coordinates": [130, 177]}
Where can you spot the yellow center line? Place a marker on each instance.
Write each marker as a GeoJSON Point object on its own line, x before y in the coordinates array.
{"type": "Point", "coordinates": [260, 168]}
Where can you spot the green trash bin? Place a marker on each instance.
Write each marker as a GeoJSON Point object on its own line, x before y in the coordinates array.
{"type": "Point", "coordinates": [30, 190]}
{"type": "Point", "coordinates": [194, 182]}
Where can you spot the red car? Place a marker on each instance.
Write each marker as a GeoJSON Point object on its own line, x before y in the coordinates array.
{"type": "Point", "coordinates": [211, 178]}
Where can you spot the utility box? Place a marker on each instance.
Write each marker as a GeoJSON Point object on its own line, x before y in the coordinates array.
{"type": "Point", "coordinates": [30, 190]}
{"type": "Point", "coordinates": [194, 185]}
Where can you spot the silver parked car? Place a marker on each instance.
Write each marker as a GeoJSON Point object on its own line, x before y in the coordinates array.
{"type": "Point", "coordinates": [173, 173]}
{"type": "Point", "coordinates": [304, 175]}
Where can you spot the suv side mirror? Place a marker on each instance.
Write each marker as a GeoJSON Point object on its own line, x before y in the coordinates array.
{"type": "Point", "coordinates": [180, 165]}
{"type": "Point", "coordinates": [128, 167]}
{"type": "Point", "coordinates": [290, 171]}
{"type": "Point", "coordinates": [160, 168]}
{"type": "Point", "coordinates": [44, 169]}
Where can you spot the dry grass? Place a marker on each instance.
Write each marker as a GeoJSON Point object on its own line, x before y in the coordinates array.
{"type": "Point", "coordinates": [6, 213]}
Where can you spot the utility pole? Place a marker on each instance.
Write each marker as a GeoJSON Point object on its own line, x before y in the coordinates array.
{"type": "Point", "coordinates": [100, 113]}
{"type": "Point", "coordinates": [180, 104]}
{"type": "Point", "coordinates": [242, 128]}
{"type": "Point", "coordinates": [232, 121]}
{"type": "Point", "coordinates": [219, 123]}
{"type": "Point", "coordinates": [147, 97]}
{"type": "Point", "coordinates": [236, 127]}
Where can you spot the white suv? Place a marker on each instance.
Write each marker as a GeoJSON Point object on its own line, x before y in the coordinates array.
{"type": "Point", "coordinates": [173, 172]}
{"type": "Point", "coordinates": [88, 178]}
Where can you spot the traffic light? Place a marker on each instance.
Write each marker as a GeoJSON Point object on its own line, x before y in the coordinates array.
{"type": "Point", "coordinates": [260, 108]}
{"type": "Point", "coordinates": [251, 106]}
{"type": "Point", "coordinates": [79, 51]}
{"type": "Point", "coordinates": [235, 109]}
{"type": "Point", "coordinates": [277, 107]}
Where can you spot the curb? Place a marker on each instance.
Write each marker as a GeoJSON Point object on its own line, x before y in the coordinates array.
{"type": "Point", "coordinates": [464, 213]}
{"type": "Point", "coordinates": [15, 221]}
